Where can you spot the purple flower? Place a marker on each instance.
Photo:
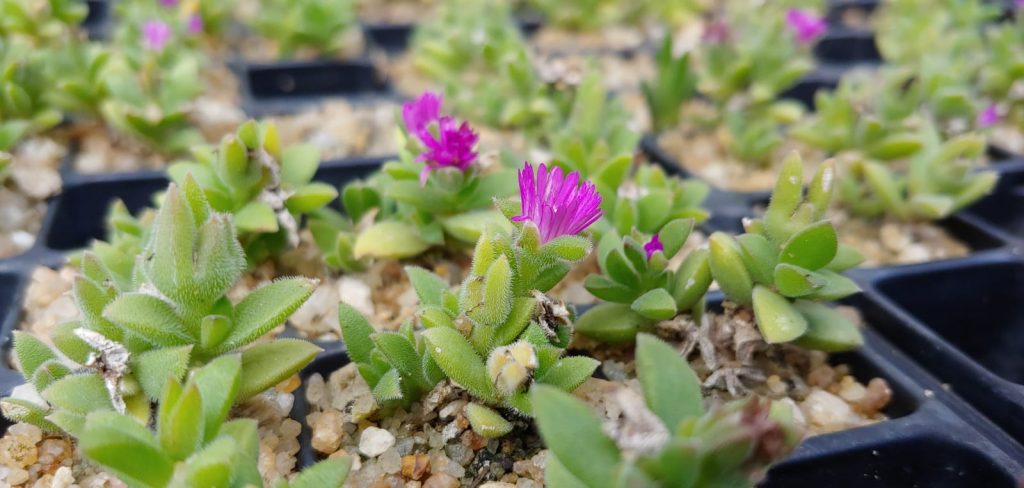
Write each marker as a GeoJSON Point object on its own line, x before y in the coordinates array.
{"type": "Point", "coordinates": [168, 3]}
{"type": "Point", "coordinates": [654, 245]}
{"type": "Point", "coordinates": [419, 113]}
{"type": "Point", "coordinates": [194, 24]}
{"type": "Point", "coordinates": [452, 148]}
{"type": "Point", "coordinates": [1019, 4]}
{"type": "Point", "coordinates": [555, 204]}
{"type": "Point", "coordinates": [156, 34]}
{"type": "Point", "coordinates": [716, 32]}
{"type": "Point", "coordinates": [989, 116]}
{"type": "Point", "coordinates": [805, 25]}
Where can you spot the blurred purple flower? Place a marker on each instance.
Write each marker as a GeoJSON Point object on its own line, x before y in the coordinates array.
{"type": "Point", "coordinates": [419, 113]}
{"type": "Point", "coordinates": [654, 245]}
{"type": "Point", "coordinates": [168, 3]}
{"type": "Point", "coordinates": [716, 32]}
{"type": "Point", "coordinates": [194, 24]}
{"type": "Point", "coordinates": [454, 143]}
{"type": "Point", "coordinates": [557, 205]}
{"type": "Point", "coordinates": [989, 116]}
{"type": "Point", "coordinates": [805, 25]}
{"type": "Point", "coordinates": [156, 34]}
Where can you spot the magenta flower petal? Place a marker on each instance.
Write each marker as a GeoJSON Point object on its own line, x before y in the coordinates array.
{"type": "Point", "coordinates": [156, 34]}
{"type": "Point", "coordinates": [716, 33]}
{"type": "Point", "coordinates": [805, 25]}
{"type": "Point", "coordinates": [654, 245]}
{"type": "Point", "coordinates": [558, 205]}
{"type": "Point", "coordinates": [195, 24]}
{"type": "Point", "coordinates": [168, 3]}
{"type": "Point", "coordinates": [989, 116]}
{"type": "Point", "coordinates": [419, 113]}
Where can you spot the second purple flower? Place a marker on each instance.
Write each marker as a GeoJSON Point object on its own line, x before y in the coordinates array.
{"type": "Point", "coordinates": [447, 143]}
{"type": "Point", "coordinates": [558, 205]}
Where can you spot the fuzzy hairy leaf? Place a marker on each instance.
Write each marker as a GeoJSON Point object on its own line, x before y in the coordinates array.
{"type": "Point", "coordinates": [79, 393]}
{"type": "Point", "coordinates": [69, 344]}
{"type": "Point", "coordinates": [401, 353]}
{"type": "Point", "coordinates": [460, 362]}
{"type": "Point", "coordinates": [149, 317]}
{"type": "Point", "coordinates": [671, 389]}
{"type": "Point", "coordinates": [324, 474]}
{"type": "Point", "coordinates": [486, 421]}
{"type": "Point", "coordinates": [497, 293]}
{"type": "Point", "coordinates": [181, 427]}
{"type": "Point", "coordinates": [356, 331]}
{"type": "Point", "coordinates": [246, 437]}
{"type": "Point", "coordinates": [573, 434]}
{"type": "Point", "coordinates": [125, 447]}
{"type": "Point", "coordinates": [267, 364]}
{"type": "Point", "coordinates": [389, 387]}
{"type": "Point", "coordinates": [569, 373]}
{"type": "Point", "coordinates": [153, 368]}
{"type": "Point", "coordinates": [430, 288]}
{"type": "Point", "coordinates": [218, 383]}
{"type": "Point", "coordinates": [256, 217]}
{"type": "Point", "coordinates": [31, 352]}
{"type": "Point", "coordinates": [212, 466]}
{"type": "Point", "coordinates": [569, 248]}
{"type": "Point", "coordinates": [266, 308]}
{"type": "Point", "coordinates": [18, 410]}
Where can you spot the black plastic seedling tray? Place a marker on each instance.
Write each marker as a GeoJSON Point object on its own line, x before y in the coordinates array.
{"type": "Point", "coordinates": [842, 44]}
{"type": "Point", "coordinates": [933, 439]}
{"type": "Point", "coordinates": [1004, 209]}
{"type": "Point", "coordinates": [283, 87]}
{"type": "Point", "coordinates": [97, 20]}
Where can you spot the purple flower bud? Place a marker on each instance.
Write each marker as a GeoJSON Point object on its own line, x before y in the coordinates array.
{"type": "Point", "coordinates": [195, 24]}
{"type": "Point", "coordinates": [654, 245]}
{"type": "Point", "coordinates": [557, 205]}
{"type": "Point", "coordinates": [805, 25]}
{"type": "Point", "coordinates": [989, 116]}
{"type": "Point", "coordinates": [156, 34]}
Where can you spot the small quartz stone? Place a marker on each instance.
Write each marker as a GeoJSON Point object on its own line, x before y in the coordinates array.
{"type": "Point", "coordinates": [328, 431]}
{"type": "Point", "coordinates": [390, 461]}
{"type": "Point", "coordinates": [415, 466]}
{"type": "Point", "coordinates": [497, 484]}
{"type": "Point", "coordinates": [374, 441]}
{"type": "Point", "coordinates": [441, 480]}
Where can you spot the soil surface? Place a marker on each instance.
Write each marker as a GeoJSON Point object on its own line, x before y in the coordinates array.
{"type": "Point", "coordinates": [887, 241]}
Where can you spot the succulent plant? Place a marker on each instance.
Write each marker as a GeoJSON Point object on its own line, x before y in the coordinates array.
{"type": "Point", "coordinates": [872, 115]}
{"type": "Point", "coordinates": [152, 84]}
{"type": "Point", "coordinates": [475, 51]}
{"type": "Point", "coordinates": [639, 288]}
{"type": "Point", "coordinates": [499, 333]}
{"type": "Point", "coordinates": [436, 193]}
{"type": "Point", "coordinates": [194, 443]}
{"type": "Point", "coordinates": [790, 261]}
{"type": "Point", "coordinates": [1001, 75]}
{"type": "Point", "coordinates": [666, 438]}
{"type": "Point", "coordinates": [596, 139]}
{"type": "Point", "coordinates": [267, 189]}
{"type": "Point", "coordinates": [24, 109]}
{"type": "Point", "coordinates": [649, 199]}
{"type": "Point", "coordinates": [77, 72]}
{"type": "Point", "coordinates": [42, 22]}
{"type": "Point", "coordinates": [940, 178]}
{"type": "Point", "coordinates": [171, 316]}
{"type": "Point", "coordinates": [675, 82]}
{"type": "Point", "coordinates": [322, 26]}
{"type": "Point", "coordinates": [588, 15]}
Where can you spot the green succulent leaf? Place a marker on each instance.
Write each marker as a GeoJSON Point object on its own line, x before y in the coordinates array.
{"type": "Point", "coordinates": [671, 389]}
{"type": "Point", "coordinates": [153, 368]}
{"type": "Point", "coordinates": [326, 473]}
{"type": "Point", "coordinates": [267, 364]}
{"type": "Point", "coordinates": [612, 322]}
{"type": "Point", "coordinates": [827, 329]}
{"type": "Point", "coordinates": [390, 239]}
{"type": "Point", "coordinates": [728, 269]}
{"type": "Point", "coordinates": [266, 308]}
{"type": "Point", "coordinates": [812, 247]}
{"type": "Point", "coordinates": [486, 421]}
{"type": "Point", "coordinates": [656, 304]}
{"type": "Point", "coordinates": [569, 373]}
{"type": "Point", "coordinates": [125, 447]}
{"type": "Point", "coordinates": [776, 317]}
{"type": "Point", "coordinates": [460, 362]}
{"type": "Point", "coordinates": [574, 435]}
